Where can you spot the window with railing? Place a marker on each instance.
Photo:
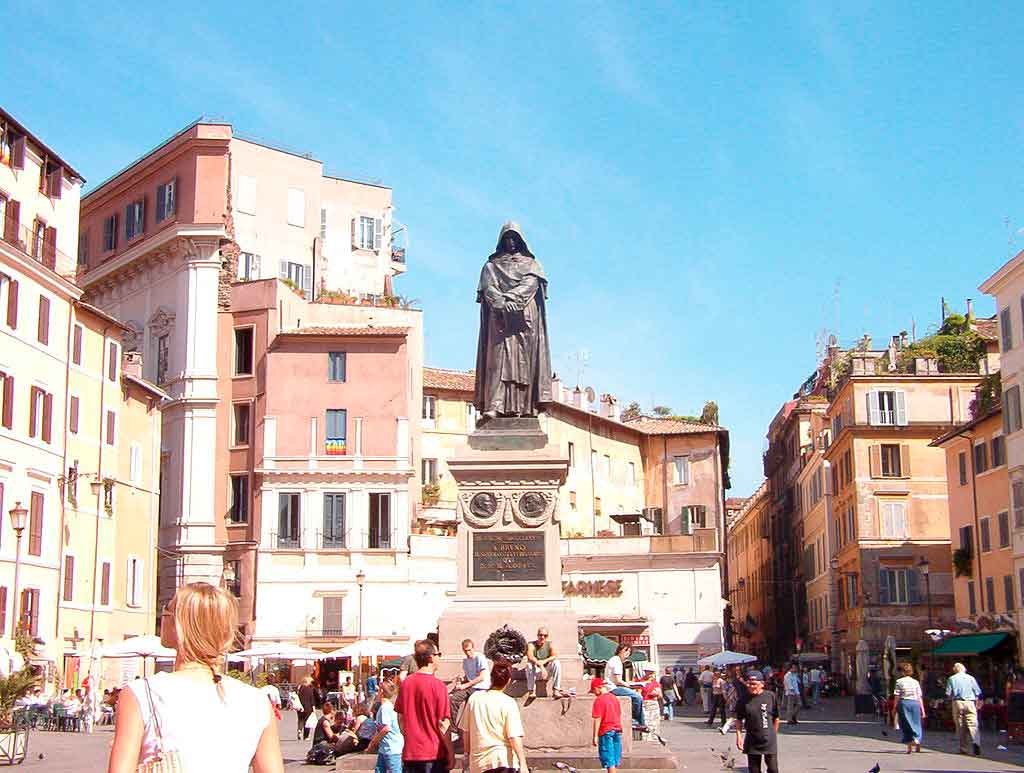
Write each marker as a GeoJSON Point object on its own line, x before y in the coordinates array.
{"type": "Point", "coordinates": [887, 407]}
{"type": "Point", "coordinates": [288, 521]}
{"type": "Point", "coordinates": [333, 534]}
{"type": "Point", "coordinates": [332, 616]}
{"type": "Point", "coordinates": [380, 521]}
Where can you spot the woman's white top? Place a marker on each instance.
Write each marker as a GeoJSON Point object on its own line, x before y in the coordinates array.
{"type": "Point", "coordinates": [907, 689]}
{"type": "Point", "coordinates": [207, 732]}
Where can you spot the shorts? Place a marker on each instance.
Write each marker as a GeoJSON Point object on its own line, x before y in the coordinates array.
{"type": "Point", "coordinates": [609, 749]}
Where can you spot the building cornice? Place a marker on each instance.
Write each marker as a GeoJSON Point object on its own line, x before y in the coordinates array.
{"type": "Point", "coordinates": [181, 241]}
{"type": "Point", "coordinates": [1012, 269]}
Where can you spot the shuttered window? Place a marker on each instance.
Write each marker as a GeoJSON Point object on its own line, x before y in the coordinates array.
{"type": "Point", "coordinates": [1006, 329]}
{"type": "Point", "coordinates": [1008, 592]}
{"type": "Point", "coordinates": [3, 610]}
{"type": "Point", "coordinates": [69, 578]}
{"type": "Point", "coordinates": [30, 611]}
{"type": "Point", "coordinates": [332, 616]}
{"type": "Point", "coordinates": [1011, 410]}
{"type": "Point", "coordinates": [133, 582]}
{"type": "Point", "coordinates": [239, 506]}
{"type": "Point", "coordinates": [76, 345]}
{"type": "Point", "coordinates": [990, 594]}
{"type": "Point", "coordinates": [7, 396]}
{"type": "Point", "coordinates": [73, 416]}
{"type": "Point", "coordinates": [110, 233]}
{"type": "Point", "coordinates": [682, 470]}
{"type": "Point", "coordinates": [35, 524]}
{"type": "Point", "coordinates": [12, 303]}
{"type": "Point", "coordinates": [887, 407]}
{"type": "Point", "coordinates": [43, 326]}
{"type": "Point", "coordinates": [1017, 489]}
{"type": "Point", "coordinates": [1003, 522]}
{"type": "Point", "coordinates": [334, 521]}
{"type": "Point", "coordinates": [380, 521]}
{"type": "Point", "coordinates": [986, 534]}
{"type": "Point", "coordinates": [894, 519]}
{"type": "Point", "coordinates": [112, 361]}
{"type": "Point", "coordinates": [105, 584]}
{"type": "Point", "coordinates": [111, 428]}
{"type": "Point", "coordinates": [166, 203]}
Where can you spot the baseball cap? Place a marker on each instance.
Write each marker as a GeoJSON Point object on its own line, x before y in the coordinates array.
{"type": "Point", "coordinates": [755, 676]}
{"type": "Point", "coordinates": [596, 683]}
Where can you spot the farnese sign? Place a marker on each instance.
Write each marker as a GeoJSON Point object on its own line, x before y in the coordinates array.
{"type": "Point", "coordinates": [592, 588]}
{"type": "Point", "coordinates": [507, 556]}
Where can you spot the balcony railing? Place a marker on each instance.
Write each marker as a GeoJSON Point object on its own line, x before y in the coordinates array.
{"type": "Point", "coordinates": [350, 540]}
{"type": "Point", "coordinates": [286, 541]}
{"type": "Point", "coordinates": [33, 244]}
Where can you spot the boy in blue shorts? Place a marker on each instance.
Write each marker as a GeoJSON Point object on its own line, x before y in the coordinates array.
{"type": "Point", "coordinates": [607, 725]}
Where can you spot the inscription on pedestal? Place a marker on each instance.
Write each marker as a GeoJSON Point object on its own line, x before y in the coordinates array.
{"type": "Point", "coordinates": [498, 557]}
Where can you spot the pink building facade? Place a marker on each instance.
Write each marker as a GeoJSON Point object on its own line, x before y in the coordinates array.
{"type": "Point", "coordinates": [257, 291]}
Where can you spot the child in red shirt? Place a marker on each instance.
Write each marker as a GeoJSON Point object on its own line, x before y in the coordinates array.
{"type": "Point", "coordinates": [607, 725]}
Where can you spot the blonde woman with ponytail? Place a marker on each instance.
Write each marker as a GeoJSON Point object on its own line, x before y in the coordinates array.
{"type": "Point", "coordinates": [194, 719]}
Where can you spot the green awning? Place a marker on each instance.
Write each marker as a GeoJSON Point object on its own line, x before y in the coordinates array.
{"type": "Point", "coordinates": [598, 647]}
{"type": "Point", "coordinates": [392, 663]}
{"type": "Point", "coordinates": [639, 656]}
{"type": "Point", "coordinates": [971, 643]}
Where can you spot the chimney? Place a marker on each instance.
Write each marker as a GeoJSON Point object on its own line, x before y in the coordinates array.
{"type": "Point", "coordinates": [131, 363]}
{"type": "Point", "coordinates": [609, 407]}
{"type": "Point", "coordinates": [903, 339]}
{"type": "Point", "coordinates": [577, 397]}
{"type": "Point", "coordinates": [556, 388]}
{"type": "Point", "coordinates": [970, 309]}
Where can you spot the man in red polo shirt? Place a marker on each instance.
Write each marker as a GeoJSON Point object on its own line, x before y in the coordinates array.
{"type": "Point", "coordinates": [424, 715]}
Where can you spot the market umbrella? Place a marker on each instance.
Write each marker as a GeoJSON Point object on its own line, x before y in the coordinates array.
{"type": "Point", "coordinates": [726, 658]}
{"type": "Point", "coordinates": [598, 648]}
{"type": "Point", "coordinates": [148, 646]}
{"type": "Point", "coordinates": [369, 648]}
{"type": "Point", "coordinates": [278, 651]}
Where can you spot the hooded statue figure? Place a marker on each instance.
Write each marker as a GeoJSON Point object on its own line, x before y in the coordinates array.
{"type": "Point", "coordinates": [513, 360]}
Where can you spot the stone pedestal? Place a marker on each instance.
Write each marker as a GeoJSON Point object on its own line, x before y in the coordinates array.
{"type": "Point", "coordinates": [509, 566]}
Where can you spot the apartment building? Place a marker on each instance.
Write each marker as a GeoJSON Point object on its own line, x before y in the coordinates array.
{"type": "Point", "coordinates": [260, 290]}
{"type": "Point", "coordinates": [890, 511]}
{"type": "Point", "coordinates": [985, 586]}
{"type": "Point", "coordinates": [750, 574]}
{"type": "Point", "coordinates": [791, 443]}
{"type": "Point", "coordinates": [79, 430]}
{"type": "Point", "coordinates": [1006, 286]}
{"type": "Point", "coordinates": [642, 512]}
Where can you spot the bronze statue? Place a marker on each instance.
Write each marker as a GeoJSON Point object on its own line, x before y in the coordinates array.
{"type": "Point", "coordinates": [513, 360]}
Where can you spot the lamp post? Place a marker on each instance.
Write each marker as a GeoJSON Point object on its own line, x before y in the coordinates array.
{"type": "Point", "coordinates": [925, 568]}
{"type": "Point", "coordinates": [360, 581]}
{"type": "Point", "coordinates": [18, 517]}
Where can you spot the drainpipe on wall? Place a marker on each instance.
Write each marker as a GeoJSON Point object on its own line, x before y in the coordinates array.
{"type": "Point", "coordinates": [664, 481]}
{"type": "Point", "coordinates": [64, 471]}
{"type": "Point", "coordinates": [99, 478]}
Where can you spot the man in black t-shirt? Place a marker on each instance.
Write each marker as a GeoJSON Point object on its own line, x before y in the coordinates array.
{"type": "Point", "coordinates": [758, 717]}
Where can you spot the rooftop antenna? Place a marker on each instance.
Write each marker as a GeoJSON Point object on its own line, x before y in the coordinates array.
{"type": "Point", "coordinates": [580, 358]}
{"type": "Point", "coordinates": [836, 302]}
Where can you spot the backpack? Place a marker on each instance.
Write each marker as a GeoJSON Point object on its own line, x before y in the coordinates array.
{"type": "Point", "coordinates": [320, 754]}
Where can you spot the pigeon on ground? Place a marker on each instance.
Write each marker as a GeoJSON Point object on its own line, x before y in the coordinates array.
{"type": "Point", "coordinates": [875, 769]}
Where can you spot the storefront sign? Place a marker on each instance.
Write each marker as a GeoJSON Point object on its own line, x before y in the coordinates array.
{"type": "Point", "coordinates": [592, 588]}
{"type": "Point", "coordinates": [635, 639]}
{"type": "Point", "coordinates": [507, 556]}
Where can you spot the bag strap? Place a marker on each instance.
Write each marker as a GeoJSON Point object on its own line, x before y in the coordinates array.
{"type": "Point", "coordinates": [156, 717]}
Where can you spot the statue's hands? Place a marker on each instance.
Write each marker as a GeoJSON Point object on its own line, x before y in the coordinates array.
{"type": "Point", "coordinates": [512, 306]}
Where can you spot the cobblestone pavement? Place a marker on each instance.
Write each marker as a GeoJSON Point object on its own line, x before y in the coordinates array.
{"type": "Point", "coordinates": [831, 739]}
{"type": "Point", "coordinates": [827, 739]}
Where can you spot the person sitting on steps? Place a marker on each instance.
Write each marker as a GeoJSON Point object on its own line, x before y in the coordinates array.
{"type": "Point", "coordinates": [542, 660]}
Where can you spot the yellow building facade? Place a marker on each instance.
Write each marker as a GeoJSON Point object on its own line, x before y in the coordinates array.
{"type": "Point", "coordinates": [79, 433]}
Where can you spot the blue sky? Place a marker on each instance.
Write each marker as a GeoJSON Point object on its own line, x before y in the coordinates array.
{"type": "Point", "coordinates": [707, 186]}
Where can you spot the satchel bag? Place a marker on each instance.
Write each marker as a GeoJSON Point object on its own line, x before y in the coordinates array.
{"type": "Point", "coordinates": [164, 761]}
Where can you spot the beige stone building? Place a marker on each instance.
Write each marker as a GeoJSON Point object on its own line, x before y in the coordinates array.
{"type": "Point", "coordinates": [79, 430]}
{"type": "Point", "coordinates": [750, 569]}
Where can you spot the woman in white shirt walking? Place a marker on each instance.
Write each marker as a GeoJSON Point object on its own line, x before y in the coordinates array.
{"type": "Point", "coordinates": [909, 707]}
{"type": "Point", "coordinates": [205, 720]}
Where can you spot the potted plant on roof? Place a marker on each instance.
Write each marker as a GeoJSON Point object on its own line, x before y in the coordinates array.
{"type": "Point", "coordinates": [13, 687]}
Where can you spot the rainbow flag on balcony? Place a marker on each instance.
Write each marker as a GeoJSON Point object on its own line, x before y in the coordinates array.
{"type": "Point", "coordinates": [335, 447]}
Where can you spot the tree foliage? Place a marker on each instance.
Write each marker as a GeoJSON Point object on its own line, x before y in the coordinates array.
{"type": "Point", "coordinates": [631, 412]}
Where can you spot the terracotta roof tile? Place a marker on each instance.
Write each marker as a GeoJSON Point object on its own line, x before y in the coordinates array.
{"type": "Point", "coordinates": [652, 425]}
{"type": "Point", "coordinates": [735, 503]}
{"type": "Point", "coordinates": [344, 330]}
{"type": "Point", "coordinates": [453, 380]}
{"type": "Point", "coordinates": [986, 328]}
{"type": "Point", "coordinates": [465, 381]}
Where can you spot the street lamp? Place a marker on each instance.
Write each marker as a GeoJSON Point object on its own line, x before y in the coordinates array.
{"type": "Point", "coordinates": [19, 515]}
{"type": "Point", "coordinates": [925, 568]}
{"type": "Point", "coordinates": [360, 581]}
